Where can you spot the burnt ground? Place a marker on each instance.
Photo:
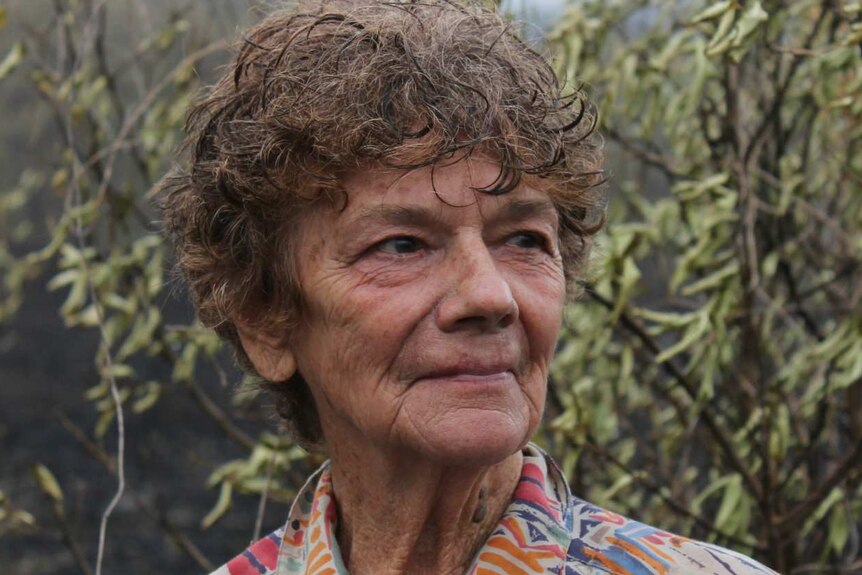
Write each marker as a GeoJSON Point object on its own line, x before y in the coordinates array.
{"type": "Point", "coordinates": [44, 370]}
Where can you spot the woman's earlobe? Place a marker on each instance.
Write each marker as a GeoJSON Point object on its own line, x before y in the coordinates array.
{"type": "Point", "coordinates": [271, 356]}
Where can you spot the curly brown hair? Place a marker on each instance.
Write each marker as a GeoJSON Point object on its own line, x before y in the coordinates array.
{"type": "Point", "coordinates": [328, 86]}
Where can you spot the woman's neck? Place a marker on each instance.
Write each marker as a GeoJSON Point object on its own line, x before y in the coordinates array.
{"type": "Point", "coordinates": [400, 514]}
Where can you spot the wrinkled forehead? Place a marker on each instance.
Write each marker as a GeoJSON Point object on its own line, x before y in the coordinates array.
{"type": "Point", "coordinates": [442, 189]}
{"type": "Point", "coordinates": [453, 181]}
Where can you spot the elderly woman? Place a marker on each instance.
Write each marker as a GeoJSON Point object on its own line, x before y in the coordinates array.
{"type": "Point", "coordinates": [386, 206]}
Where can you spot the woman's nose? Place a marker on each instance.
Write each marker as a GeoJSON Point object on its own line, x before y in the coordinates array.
{"type": "Point", "coordinates": [480, 296]}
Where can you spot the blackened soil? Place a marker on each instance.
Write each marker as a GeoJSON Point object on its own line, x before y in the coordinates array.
{"type": "Point", "coordinates": [44, 370]}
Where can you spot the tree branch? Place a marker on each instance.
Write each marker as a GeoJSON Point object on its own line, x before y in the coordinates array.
{"type": "Point", "coordinates": [721, 436]}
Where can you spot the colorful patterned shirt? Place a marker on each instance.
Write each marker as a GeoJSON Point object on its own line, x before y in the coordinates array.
{"type": "Point", "coordinates": [544, 530]}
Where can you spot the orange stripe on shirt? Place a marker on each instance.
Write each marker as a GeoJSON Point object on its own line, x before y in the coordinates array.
{"type": "Point", "coordinates": [528, 557]}
{"type": "Point", "coordinates": [503, 563]}
{"type": "Point", "coordinates": [635, 551]}
{"type": "Point", "coordinates": [655, 549]}
{"type": "Point", "coordinates": [317, 565]}
{"type": "Point", "coordinates": [315, 551]}
{"type": "Point", "coordinates": [615, 567]}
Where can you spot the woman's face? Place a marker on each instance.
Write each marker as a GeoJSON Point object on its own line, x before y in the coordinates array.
{"type": "Point", "coordinates": [430, 319]}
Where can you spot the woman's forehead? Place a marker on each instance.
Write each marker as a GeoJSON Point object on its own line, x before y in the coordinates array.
{"type": "Point", "coordinates": [453, 184]}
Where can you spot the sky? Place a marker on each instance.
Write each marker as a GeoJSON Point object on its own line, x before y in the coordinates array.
{"type": "Point", "coordinates": [540, 16]}
{"type": "Point", "coordinates": [539, 12]}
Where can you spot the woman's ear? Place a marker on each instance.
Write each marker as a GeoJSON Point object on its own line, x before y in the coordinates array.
{"type": "Point", "coordinates": [271, 355]}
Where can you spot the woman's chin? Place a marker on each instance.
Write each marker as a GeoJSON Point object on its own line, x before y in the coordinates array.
{"type": "Point", "coordinates": [472, 438]}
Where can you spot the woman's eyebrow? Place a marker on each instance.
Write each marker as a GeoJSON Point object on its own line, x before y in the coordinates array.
{"type": "Point", "coordinates": [424, 216]}
{"type": "Point", "coordinates": [392, 215]}
{"type": "Point", "coordinates": [525, 209]}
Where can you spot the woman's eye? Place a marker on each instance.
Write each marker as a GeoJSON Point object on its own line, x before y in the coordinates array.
{"type": "Point", "coordinates": [400, 245]}
{"type": "Point", "coordinates": [527, 240]}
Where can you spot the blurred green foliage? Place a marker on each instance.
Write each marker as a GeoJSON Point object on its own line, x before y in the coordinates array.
{"type": "Point", "coordinates": [710, 380]}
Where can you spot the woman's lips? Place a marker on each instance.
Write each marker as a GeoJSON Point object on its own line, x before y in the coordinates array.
{"type": "Point", "coordinates": [475, 374]}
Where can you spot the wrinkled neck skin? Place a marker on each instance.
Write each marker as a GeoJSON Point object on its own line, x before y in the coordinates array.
{"type": "Point", "coordinates": [399, 513]}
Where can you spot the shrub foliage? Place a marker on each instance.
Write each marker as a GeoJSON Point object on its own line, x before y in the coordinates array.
{"type": "Point", "coordinates": [714, 373]}
{"type": "Point", "coordinates": [710, 379]}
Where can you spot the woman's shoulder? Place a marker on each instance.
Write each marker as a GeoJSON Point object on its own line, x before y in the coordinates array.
{"type": "Point", "coordinates": [259, 559]}
{"type": "Point", "coordinates": [606, 543]}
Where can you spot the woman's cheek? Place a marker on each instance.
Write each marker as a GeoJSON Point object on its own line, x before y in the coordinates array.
{"type": "Point", "coordinates": [538, 281]}
{"type": "Point", "coordinates": [391, 271]}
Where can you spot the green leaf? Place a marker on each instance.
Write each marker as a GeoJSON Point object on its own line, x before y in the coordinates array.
{"type": "Point", "coordinates": [713, 280]}
{"type": "Point", "coordinates": [98, 391]}
{"type": "Point", "coordinates": [87, 317]}
{"type": "Point", "coordinates": [713, 11]}
{"type": "Point", "coordinates": [118, 371]}
{"type": "Point", "coordinates": [671, 49]}
{"type": "Point", "coordinates": [184, 367]}
{"type": "Point", "coordinates": [629, 280]}
{"type": "Point", "coordinates": [669, 320]}
{"type": "Point", "coordinates": [750, 21]}
{"type": "Point", "coordinates": [621, 483]}
{"type": "Point", "coordinates": [692, 334]}
{"type": "Point", "coordinates": [839, 529]}
{"type": "Point", "coordinates": [104, 423]}
{"type": "Point", "coordinates": [221, 506]}
{"type": "Point", "coordinates": [127, 306]}
{"type": "Point", "coordinates": [729, 501]}
{"type": "Point", "coordinates": [711, 489]}
{"type": "Point", "coordinates": [76, 297]}
{"type": "Point", "coordinates": [235, 468]}
{"type": "Point", "coordinates": [851, 367]}
{"type": "Point", "coordinates": [12, 60]}
{"type": "Point", "coordinates": [724, 36]}
{"type": "Point", "coordinates": [694, 189]}
{"type": "Point", "coordinates": [48, 483]}
{"type": "Point", "coordinates": [149, 395]}
{"type": "Point", "coordinates": [745, 29]}
{"type": "Point", "coordinates": [63, 279]}
{"type": "Point", "coordinates": [141, 335]}
{"type": "Point", "coordinates": [854, 38]}
{"type": "Point", "coordinates": [834, 498]}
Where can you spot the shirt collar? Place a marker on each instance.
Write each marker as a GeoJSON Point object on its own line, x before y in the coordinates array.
{"type": "Point", "coordinates": [533, 534]}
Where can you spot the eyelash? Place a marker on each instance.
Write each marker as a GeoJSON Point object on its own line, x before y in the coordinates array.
{"type": "Point", "coordinates": [539, 239]}
{"type": "Point", "coordinates": [417, 244]}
